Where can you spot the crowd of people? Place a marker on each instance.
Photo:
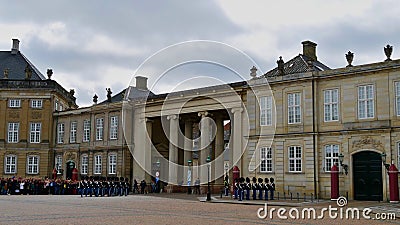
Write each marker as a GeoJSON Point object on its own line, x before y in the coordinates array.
{"type": "Point", "coordinates": [37, 186]}
{"type": "Point", "coordinates": [261, 189]}
{"type": "Point", "coordinates": [103, 186]}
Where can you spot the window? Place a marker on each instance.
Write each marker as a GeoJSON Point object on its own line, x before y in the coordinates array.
{"type": "Point", "coordinates": [10, 164]}
{"type": "Point", "coordinates": [398, 154]}
{"type": "Point", "coordinates": [56, 106]}
{"type": "Point", "coordinates": [86, 131]}
{"type": "Point", "coordinates": [33, 165]}
{"type": "Point", "coordinates": [397, 93]}
{"type": "Point", "coordinates": [84, 164]}
{"type": "Point", "coordinates": [331, 156]}
{"type": "Point", "coordinates": [61, 107]}
{"type": "Point", "coordinates": [36, 103]}
{"type": "Point", "coordinates": [59, 163]}
{"type": "Point", "coordinates": [294, 108]}
{"type": "Point", "coordinates": [266, 111]}
{"type": "Point", "coordinates": [295, 159]}
{"type": "Point", "coordinates": [14, 103]}
{"type": "Point", "coordinates": [114, 127]}
{"type": "Point", "coordinates": [72, 133]}
{"type": "Point", "coordinates": [60, 133]}
{"type": "Point", "coordinates": [366, 101]}
{"type": "Point", "coordinates": [99, 129]}
{"type": "Point", "coordinates": [97, 164]}
{"type": "Point", "coordinates": [35, 132]}
{"type": "Point", "coordinates": [13, 130]}
{"type": "Point", "coordinates": [331, 112]}
{"type": "Point", "coordinates": [266, 159]}
{"type": "Point", "coordinates": [112, 164]}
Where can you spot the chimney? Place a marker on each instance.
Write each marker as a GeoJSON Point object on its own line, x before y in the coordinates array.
{"type": "Point", "coordinates": [141, 82]}
{"type": "Point", "coordinates": [15, 47]}
{"type": "Point", "coordinates": [309, 50]}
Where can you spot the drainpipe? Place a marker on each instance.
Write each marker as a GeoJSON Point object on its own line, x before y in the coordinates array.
{"type": "Point", "coordinates": [315, 154]}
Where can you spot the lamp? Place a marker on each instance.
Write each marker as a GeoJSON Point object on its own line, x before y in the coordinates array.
{"type": "Point", "coordinates": [383, 155]}
{"type": "Point", "coordinates": [208, 160]}
{"type": "Point", "coordinates": [345, 166]}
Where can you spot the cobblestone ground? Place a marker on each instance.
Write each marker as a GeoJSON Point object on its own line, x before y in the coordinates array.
{"type": "Point", "coordinates": [142, 209]}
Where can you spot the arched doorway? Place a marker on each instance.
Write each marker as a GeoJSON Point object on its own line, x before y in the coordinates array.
{"type": "Point", "coordinates": [367, 176]}
{"type": "Point", "coordinates": [70, 167]}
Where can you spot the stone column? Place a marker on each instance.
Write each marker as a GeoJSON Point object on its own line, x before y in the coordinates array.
{"type": "Point", "coordinates": [173, 148]}
{"type": "Point", "coordinates": [236, 137]}
{"type": "Point", "coordinates": [188, 145]}
{"type": "Point", "coordinates": [204, 143]}
{"type": "Point", "coordinates": [219, 151]}
{"type": "Point", "coordinates": [148, 147]}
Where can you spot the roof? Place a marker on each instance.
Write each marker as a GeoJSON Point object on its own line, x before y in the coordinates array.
{"type": "Point", "coordinates": [16, 64]}
{"type": "Point", "coordinates": [298, 64]}
{"type": "Point", "coordinates": [134, 93]}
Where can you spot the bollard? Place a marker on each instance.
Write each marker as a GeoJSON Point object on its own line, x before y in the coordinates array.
{"type": "Point", "coordinates": [278, 195]}
{"type": "Point", "coordinates": [291, 196]}
{"type": "Point", "coordinates": [312, 197]}
{"type": "Point", "coordinates": [305, 199]}
{"type": "Point", "coordinates": [298, 196]}
{"type": "Point", "coordinates": [221, 193]}
{"type": "Point", "coordinates": [284, 195]}
{"type": "Point", "coordinates": [347, 195]}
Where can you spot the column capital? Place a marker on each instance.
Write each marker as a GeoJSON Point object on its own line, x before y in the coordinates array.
{"type": "Point", "coordinates": [203, 114]}
{"type": "Point", "coordinates": [173, 117]}
{"type": "Point", "coordinates": [235, 110]}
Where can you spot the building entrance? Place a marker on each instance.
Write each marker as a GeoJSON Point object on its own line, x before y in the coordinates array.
{"type": "Point", "coordinates": [367, 176]}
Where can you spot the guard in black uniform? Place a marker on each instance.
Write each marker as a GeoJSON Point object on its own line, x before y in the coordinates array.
{"type": "Point", "coordinates": [248, 188]}
{"type": "Point", "coordinates": [254, 188]}
{"type": "Point", "coordinates": [226, 185]}
{"type": "Point", "coordinates": [236, 188]}
{"type": "Point", "coordinates": [260, 187]}
{"type": "Point", "coordinates": [266, 188]}
{"type": "Point", "coordinates": [272, 189]}
{"type": "Point", "coordinates": [240, 188]}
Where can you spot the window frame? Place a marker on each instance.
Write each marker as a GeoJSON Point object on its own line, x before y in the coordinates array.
{"type": "Point", "coordinates": [13, 132]}
{"type": "Point", "coordinates": [6, 165]}
{"type": "Point", "coordinates": [297, 150]}
{"type": "Point", "coordinates": [266, 160]}
{"type": "Point", "coordinates": [35, 103]}
{"type": "Point", "coordinates": [60, 133]}
{"type": "Point", "coordinates": [112, 164]}
{"type": "Point", "coordinates": [14, 103]}
{"type": "Point", "coordinates": [366, 101]}
{"type": "Point", "coordinates": [73, 129]}
{"type": "Point", "coordinates": [35, 132]}
{"type": "Point", "coordinates": [33, 164]}
{"type": "Point", "coordinates": [98, 160]}
{"type": "Point", "coordinates": [84, 164]}
{"type": "Point", "coordinates": [59, 162]}
{"type": "Point", "coordinates": [114, 127]}
{"type": "Point", "coordinates": [331, 158]}
{"type": "Point", "coordinates": [86, 131]}
{"type": "Point", "coordinates": [397, 97]}
{"type": "Point", "coordinates": [293, 109]}
{"type": "Point", "coordinates": [266, 111]}
{"type": "Point", "coordinates": [99, 129]}
{"type": "Point", "coordinates": [331, 105]}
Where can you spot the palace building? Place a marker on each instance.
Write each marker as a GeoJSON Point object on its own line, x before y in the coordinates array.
{"type": "Point", "coordinates": [27, 103]}
{"type": "Point", "coordinates": [292, 123]}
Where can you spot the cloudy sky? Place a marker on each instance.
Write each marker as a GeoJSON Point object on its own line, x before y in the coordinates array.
{"type": "Point", "coordinates": [94, 44]}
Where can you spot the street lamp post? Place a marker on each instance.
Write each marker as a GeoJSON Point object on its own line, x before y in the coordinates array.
{"type": "Point", "coordinates": [383, 155]}
{"type": "Point", "coordinates": [345, 166]}
{"type": "Point", "coordinates": [208, 179]}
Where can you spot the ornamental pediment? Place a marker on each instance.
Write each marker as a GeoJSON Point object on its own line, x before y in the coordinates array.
{"type": "Point", "coordinates": [367, 142]}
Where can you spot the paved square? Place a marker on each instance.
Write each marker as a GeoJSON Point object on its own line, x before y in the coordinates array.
{"type": "Point", "coordinates": [135, 209]}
